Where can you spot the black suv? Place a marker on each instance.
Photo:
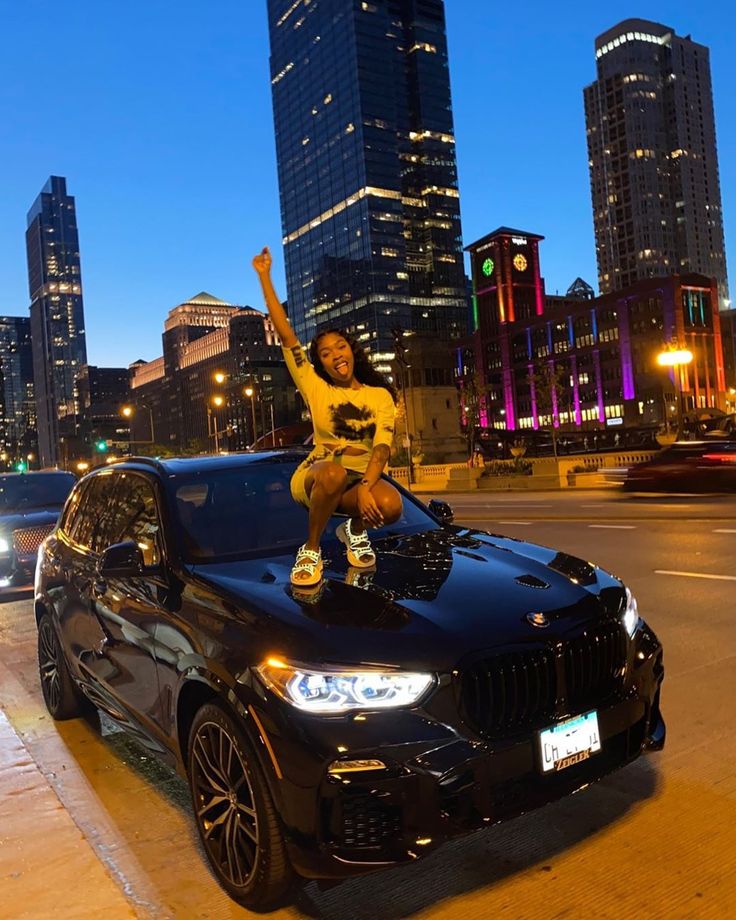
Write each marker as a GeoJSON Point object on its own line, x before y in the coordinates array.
{"type": "Point", "coordinates": [327, 733]}
{"type": "Point", "coordinates": [30, 504]}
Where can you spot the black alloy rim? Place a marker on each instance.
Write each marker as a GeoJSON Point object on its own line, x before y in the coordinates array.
{"type": "Point", "coordinates": [48, 660]}
{"type": "Point", "coordinates": [224, 803]}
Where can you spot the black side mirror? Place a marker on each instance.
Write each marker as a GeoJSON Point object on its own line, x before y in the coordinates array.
{"type": "Point", "coordinates": [442, 511]}
{"type": "Point", "coordinates": [122, 560]}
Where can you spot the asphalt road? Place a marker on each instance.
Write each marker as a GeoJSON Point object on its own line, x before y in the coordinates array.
{"type": "Point", "coordinates": [656, 839]}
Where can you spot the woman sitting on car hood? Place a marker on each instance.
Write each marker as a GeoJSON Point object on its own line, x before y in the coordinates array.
{"type": "Point", "coordinates": [352, 407]}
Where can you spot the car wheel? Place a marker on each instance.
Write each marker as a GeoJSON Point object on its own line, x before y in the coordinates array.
{"type": "Point", "coordinates": [234, 811]}
{"type": "Point", "coordinates": [63, 699]}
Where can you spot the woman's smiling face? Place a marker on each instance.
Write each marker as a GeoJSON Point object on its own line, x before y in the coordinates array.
{"type": "Point", "coordinates": [336, 356]}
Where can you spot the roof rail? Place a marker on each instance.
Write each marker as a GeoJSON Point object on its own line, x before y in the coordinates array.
{"type": "Point", "coordinates": [149, 461]}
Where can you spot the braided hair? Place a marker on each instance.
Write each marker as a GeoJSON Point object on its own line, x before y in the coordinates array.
{"type": "Point", "coordinates": [363, 369]}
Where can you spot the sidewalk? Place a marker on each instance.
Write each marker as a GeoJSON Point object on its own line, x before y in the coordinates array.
{"type": "Point", "coordinates": [47, 867]}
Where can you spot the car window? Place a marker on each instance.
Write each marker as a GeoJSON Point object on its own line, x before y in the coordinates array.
{"type": "Point", "coordinates": [72, 507]}
{"type": "Point", "coordinates": [35, 490]}
{"type": "Point", "coordinates": [249, 510]}
{"type": "Point", "coordinates": [97, 496]}
{"type": "Point", "coordinates": [134, 516]}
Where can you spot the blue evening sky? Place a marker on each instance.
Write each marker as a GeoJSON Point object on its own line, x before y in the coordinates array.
{"type": "Point", "coordinates": [158, 112]}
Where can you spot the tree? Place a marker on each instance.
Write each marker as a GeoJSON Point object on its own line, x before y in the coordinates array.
{"type": "Point", "coordinates": [550, 394]}
{"type": "Point", "coordinates": [474, 399]}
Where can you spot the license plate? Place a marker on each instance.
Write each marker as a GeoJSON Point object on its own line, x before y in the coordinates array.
{"type": "Point", "coordinates": [569, 742]}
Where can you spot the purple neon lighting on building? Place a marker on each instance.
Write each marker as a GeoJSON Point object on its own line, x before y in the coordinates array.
{"type": "Point", "coordinates": [576, 390]}
{"type": "Point", "coordinates": [599, 385]}
{"type": "Point", "coordinates": [533, 389]}
{"type": "Point", "coordinates": [555, 413]}
{"type": "Point", "coordinates": [627, 363]}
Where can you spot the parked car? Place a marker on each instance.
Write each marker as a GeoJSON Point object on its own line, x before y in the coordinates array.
{"type": "Point", "coordinates": [468, 678]}
{"type": "Point", "coordinates": [30, 504]}
{"type": "Point", "coordinates": [687, 466]}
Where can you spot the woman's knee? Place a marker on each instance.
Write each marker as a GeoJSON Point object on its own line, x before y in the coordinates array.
{"type": "Point", "coordinates": [389, 503]}
{"type": "Point", "coordinates": [331, 477]}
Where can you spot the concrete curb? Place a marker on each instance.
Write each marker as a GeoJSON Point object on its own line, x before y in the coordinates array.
{"type": "Point", "coordinates": [47, 866]}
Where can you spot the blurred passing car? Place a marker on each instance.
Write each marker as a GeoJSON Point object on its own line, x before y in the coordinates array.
{"type": "Point", "coordinates": [30, 504]}
{"type": "Point", "coordinates": [686, 466]}
{"type": "Point", "coordinates": [468, 678]}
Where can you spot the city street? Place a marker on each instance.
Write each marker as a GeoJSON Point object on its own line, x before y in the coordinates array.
{"type": "Point", "coordinates": [656, 839]}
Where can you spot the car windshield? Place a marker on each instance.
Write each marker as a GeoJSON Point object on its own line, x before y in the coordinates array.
{"type": "Point", "coordinates": [248, 511]}
{"type": "Point", "coordinates": [21, 493]}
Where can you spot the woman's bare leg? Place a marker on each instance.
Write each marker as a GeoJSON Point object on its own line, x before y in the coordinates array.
{"type": "Point", "coordinates": [325, 484]}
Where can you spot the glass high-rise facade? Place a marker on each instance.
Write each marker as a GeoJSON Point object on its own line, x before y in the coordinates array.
{"type": "Point", "coordinates": [57, 314]}
{"type": "Point", "coordinates": [17, 406]}
{"type": "Point", "coordinates": [367, 170]}
{"type": "Point", "coordinates": [653, 158]}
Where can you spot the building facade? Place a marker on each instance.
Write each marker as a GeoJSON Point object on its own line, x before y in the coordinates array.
{"type": "Point", "coordinates": [653, 158]}
{"type": "Point", "coordinates": [220, 383]}
{"type": "Point", "coordinates": [367, 171]}
{"type": "Point", "coordinates": [104, 392]}
{"type": "Point", "coordinates": [17, 404]}
{"type": "Point", "coordinates": [57, 314]}
{"type": "Point", "coordinates": [580, 361]}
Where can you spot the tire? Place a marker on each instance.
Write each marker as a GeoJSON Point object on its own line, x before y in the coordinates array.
{"type": "Point", "coordinates": [240, 833]}
{"type": "Point", "coordinates": [62, 697]}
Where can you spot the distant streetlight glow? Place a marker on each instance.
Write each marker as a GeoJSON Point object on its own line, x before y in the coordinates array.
{"type": "Point", "coordinates": [218, 400]}
{"type": "Point", "coordinates": [674, 358]}
{"type": "Point", "coordinates": [219, 377]}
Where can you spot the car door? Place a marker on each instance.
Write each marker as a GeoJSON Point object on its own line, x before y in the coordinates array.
{"type": "Point", "coordinates": [129, 609]}
{"type": "Point", "coordinates": [72, 562]}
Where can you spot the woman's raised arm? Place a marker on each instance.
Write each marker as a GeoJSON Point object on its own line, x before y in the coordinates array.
{"type": "Point", "coordinates": [262, 265]}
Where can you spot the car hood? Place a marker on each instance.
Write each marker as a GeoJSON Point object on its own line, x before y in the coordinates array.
{"type": "Point", "coordinates": [36, 517]}
{"type": "Point", "coordinates": [434, 597]}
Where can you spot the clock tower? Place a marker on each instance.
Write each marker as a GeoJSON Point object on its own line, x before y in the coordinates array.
{"type": "Point", "coordinates": [507, 287]}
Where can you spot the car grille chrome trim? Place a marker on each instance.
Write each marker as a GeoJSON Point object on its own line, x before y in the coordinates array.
{"type": "Point", "coordinates": [522, 690]}
{"type": "Point", "coordinates": [26, 540]}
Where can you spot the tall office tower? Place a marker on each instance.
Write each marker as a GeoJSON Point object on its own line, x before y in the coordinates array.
{"type": "Point", "coordinates": [57, 314]}
{"type": "Point", "coordinates": [653, 158]}
{"type": "Point", "coordinates": [367, 172]}
{"type": "Point", "coordinates": [17, 407]}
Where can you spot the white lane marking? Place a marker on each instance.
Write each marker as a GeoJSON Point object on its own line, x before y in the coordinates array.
{"type": "Point", "coordinates": [724, 530]}
{"type": "Point", "coordinates": [613, 526]}
{"type": "Point", "coordinates": [520, 523]}
{"type": "Point", "coordinates": [696, 575]}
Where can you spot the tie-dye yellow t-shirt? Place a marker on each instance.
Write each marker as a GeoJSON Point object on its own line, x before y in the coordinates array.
{"type": "Point", "coordinates": [341, 416]}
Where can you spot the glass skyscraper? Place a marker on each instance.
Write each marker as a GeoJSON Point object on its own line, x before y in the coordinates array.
{"type": "Point", "coordinates": [17, 407]}
{"type": "Point", "coordinates": [367, 171]}
{"type": "Point", "coordinates": [653, 158]}
{"type": "Point", "coordinates": [57, 314]}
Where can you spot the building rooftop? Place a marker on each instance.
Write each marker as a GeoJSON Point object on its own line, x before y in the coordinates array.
{"type": "Point", "coordinates": [503, 231]}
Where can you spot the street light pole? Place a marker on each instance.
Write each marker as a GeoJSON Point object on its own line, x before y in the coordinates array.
{"type": "Point", "coordinates": [676, 358]}
{"type": "Point", "coordinates": [251, 394]}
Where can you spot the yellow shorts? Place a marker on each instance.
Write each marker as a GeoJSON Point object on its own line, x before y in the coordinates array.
{"type": "Point", "coordinates": [299, 479]}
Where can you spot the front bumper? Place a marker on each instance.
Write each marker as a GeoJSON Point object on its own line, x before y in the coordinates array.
{"type": "Point", "coordinates": [439, 780]}
{"type": "Point", "coordinates": [16, 570]}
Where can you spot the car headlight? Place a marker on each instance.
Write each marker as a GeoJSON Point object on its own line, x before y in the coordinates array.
{"type": "Point", "coordinates": [631, 614]}
{"type": "Point", "coordinates": [325, 690]}
{"type": "Point", "coordinates": [4, 545]}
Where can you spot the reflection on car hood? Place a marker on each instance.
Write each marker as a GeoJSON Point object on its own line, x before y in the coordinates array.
{"type": "Point", "coordinates": [433, 597]}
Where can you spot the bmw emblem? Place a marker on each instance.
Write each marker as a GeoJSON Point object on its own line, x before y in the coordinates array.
{"type": "Point", "coordinates": [537, 619]}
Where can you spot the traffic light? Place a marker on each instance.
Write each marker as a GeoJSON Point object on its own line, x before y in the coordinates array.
{"type": "Point", "coordinates": [21, 466]}
{"type": "Point", "coordinates": [101, 447]}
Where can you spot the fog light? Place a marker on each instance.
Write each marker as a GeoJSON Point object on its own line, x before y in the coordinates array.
{"type": "Point", "coordinates": [338, 767]}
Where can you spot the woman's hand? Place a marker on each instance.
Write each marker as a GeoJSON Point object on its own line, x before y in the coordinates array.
{"type": "Point", "coordinates": [368, 507]}
{"type": "Point", "coordinates": [262, 262]}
